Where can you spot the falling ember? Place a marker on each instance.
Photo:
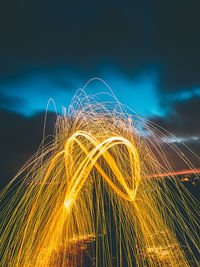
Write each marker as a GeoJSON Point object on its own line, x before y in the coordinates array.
{"type": "Point", "coordinates": [75, 201]}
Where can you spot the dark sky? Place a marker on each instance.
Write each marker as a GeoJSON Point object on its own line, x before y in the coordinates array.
{"type": "Point", "coordinates": [147, 51]}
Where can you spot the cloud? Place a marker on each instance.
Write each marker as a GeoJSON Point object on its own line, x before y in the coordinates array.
{"type": "Point", "coordinates": [48, 36]}
{"type": "Point", "coordinates": [190, 148]}
{"type": "Point", "coordinates": [182, 119]}
{"type": "Point", "coordinates": [86, 34]}
{"type": "Point", "coordinates": [50, 33]}
{"type": "Point", "coordinates": [10, 102]}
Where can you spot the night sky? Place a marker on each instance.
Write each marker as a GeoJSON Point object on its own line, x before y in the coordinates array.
{"type": "Point", "coordinates": [147, 51]}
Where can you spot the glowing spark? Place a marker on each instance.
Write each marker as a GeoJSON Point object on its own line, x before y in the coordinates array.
{"type": "Point", "coordinates": [68, 204]}
{"type": "Point", "coordinates": [98, 164]}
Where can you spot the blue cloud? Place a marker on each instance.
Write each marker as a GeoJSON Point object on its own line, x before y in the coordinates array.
{"type": "Point", "coordinates": [140, 94]}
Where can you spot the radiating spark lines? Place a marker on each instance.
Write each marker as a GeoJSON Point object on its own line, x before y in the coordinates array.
{"type": "Point", "coordinates": [89, 183]}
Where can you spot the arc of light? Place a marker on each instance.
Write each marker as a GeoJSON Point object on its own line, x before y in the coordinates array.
{"type": "Point", "coordinates": [113, 166]}
{"type": "Point", "coordinates": [80, 176]}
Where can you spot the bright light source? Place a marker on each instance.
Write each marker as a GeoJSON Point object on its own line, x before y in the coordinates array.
{"type": "Point", "coordinates": [68, 203]}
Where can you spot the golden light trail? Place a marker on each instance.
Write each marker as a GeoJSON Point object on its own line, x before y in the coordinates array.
{"type": "Point", "coordinates": [76, 191]}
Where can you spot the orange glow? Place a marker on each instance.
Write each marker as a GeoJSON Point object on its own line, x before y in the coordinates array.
{"type": "Point", "coordinates": [193, 171]}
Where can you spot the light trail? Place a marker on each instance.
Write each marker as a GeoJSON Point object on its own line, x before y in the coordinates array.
{"type": "Point", "coordinates": [76, 190]}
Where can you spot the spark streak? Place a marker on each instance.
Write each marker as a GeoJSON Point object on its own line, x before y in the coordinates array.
{"type": "Point", "coordinates": [77, 187]}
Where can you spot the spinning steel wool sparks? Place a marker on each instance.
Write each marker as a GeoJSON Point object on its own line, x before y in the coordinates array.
{"type": "Point", "coordinates": [96, 181]}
